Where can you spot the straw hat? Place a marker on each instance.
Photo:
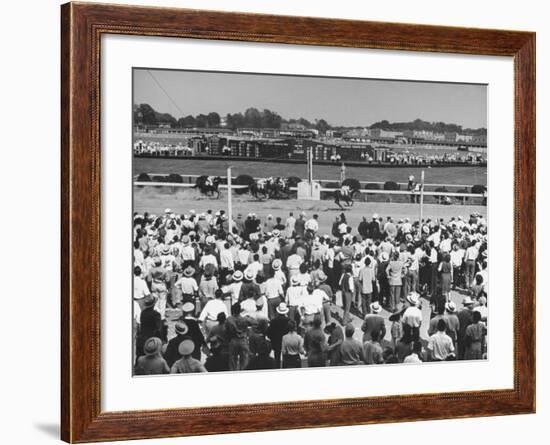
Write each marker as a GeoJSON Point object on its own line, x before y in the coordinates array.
{"type": "Point", "coordinates": [248, 275]}
{"type": "Point", "coordinates": [237, 276]}
{"type": "Point", "coordinates": [189, 271]}
{"type": "Point", "coordinates": [186, 347]}
{"type": "Point", "coordinates": [181, 328]}
{"type": "Point", "coordinates": [467, 301]}
{"type": "Point", "coordinates": [450, 307]}
{"type": "Point", "coordinates": [282, 308]}
{"type": "Point", "coordinates": [277, 264]}
{"type": "Point", "coordinates": [152, 346]}
{"type": "Point", "coordinates": [375, 307]}
{"type": "Point", "coordinates": [188, 307]}
{"type": "Point", "coordinates": [413, 298]}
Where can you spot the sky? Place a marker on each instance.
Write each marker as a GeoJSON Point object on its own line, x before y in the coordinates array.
{"type": "Point", "coordinates": [340, 101]}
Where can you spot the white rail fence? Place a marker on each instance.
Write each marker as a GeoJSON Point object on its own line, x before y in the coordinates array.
{"type": "Point", "coordinates": [334, 180]}
{"type": "Point", "coordinates": [323, 189]}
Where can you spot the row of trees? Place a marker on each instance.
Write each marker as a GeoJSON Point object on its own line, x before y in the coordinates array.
{"type": "Point", "coordinates": [144, 114]}
{"type": "Point", "coordinates": [253, 118]}
{"type": "Point", "coordinates": [421, 125]}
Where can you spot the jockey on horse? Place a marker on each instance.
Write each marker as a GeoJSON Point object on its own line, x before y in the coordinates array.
{"type": "Point", "coordinates": [344, 193]}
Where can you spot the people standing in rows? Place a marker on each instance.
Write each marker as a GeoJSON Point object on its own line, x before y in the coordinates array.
{"type": "Point", "coordinates": [190, 270]}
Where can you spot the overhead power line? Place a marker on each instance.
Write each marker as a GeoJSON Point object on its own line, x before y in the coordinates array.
{"type": "Point", "coordinates": [166, 93]}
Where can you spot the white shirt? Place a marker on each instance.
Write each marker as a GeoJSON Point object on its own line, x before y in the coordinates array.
{"type": "Point", "coordinates": [313, 303]}
{"type": "Point", "coordinates": [295, 296]}
{"type": "Point", "coordinates": [273, 288]}
{"type": "Point", "coordinates": [244, 254]}
{"type": "Point", "coordinates": [456, 257]}
{"type": "Point", "coordinates": [445, 245]}
{"type": "Point", "coordinates": [312, 224]}
{"type": "Point", "coordinates": [226, 259]}
{"type": "Point", "coordinates": [188, 285]}
{"type": "Point", "coordinates": [440, 345]}
{"type": "Point", "coordinates": [471, 253]}
{"type": "Point", "coordinates": [234, 289]}
{"type": "Point", "coordinates": [212, 309]}
{"type": "Point", "coordinates": [208, 259]}
{"type": "Point", "coordinates": [253, 268]}
{"type": "Point", "coordinates": [139, 259]}
{"type": "Point", "coordinates": [294, 261]}
{"type": "Point", "coordinates": [412, 358]}
{"type": "Point", "coordinates": [290, 224]}
{"type": "Point", "coordinates": [413, 317]}
{"type": "Point", "coordinates": [140, 288]}
{"type": "Point", "coordinates": [329, 257]}
{"type": "Point", "coordinates": [188, 253]}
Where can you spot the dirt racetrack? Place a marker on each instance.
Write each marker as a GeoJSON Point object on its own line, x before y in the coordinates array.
{"type": "Point", "coordinates": [156, 199]}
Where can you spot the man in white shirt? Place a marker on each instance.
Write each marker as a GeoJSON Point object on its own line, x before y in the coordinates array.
{"type": "Point", "coordinates": [293, 264]}
{"type": "Point", "coordinates": [209, 314]}
{"type": "Point", "coordinates": [208, 258]}
{"type": "Point", "coordinates": [187, 284]}
{"type": "Point", "coordinates": [312, 224]}
{"type": "Point", "coordinates": [457, 258]}
{"type": "Point", "coordinates": [274, 294]}
{"type": "Point", "coordinates": [290, 224]}
{"type": "Point", "coordinates": [312, 304]}
{"type": "Point", "coordinates": [141, 289]}
{"type": "Point", "coordinates": [470, 258]}
{"type": "Point", "coordinates": [413, 315]}
{"type": "Point", "coordinates": [233, 290]}
{"type": "Point", "coordinates": [445, 244]}
{"type": "Point", "coordinates": [440, 345]}
{"type": "Point", "coordinates": [187, 251]}
{"type": "Point", "coordinates": [226, 260]}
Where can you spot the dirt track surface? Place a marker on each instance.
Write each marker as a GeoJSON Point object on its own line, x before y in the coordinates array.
{"type": "Point", "coordinates": [156, 200]}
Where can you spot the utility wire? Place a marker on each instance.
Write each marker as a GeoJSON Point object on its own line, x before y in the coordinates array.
{"type": "Point", "coordinates": [167, 95]}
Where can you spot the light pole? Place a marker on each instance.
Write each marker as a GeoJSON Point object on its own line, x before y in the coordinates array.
{"type": "Point", "coordinates": [229, 203]}
{"type": "Point", "coordinates": [421, 198]}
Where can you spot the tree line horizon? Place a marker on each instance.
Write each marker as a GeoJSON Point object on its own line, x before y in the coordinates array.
{"type": "Point", "coordinates": [145, 114]}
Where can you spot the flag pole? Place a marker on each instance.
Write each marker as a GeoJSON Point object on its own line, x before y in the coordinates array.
{"type": "Point", "coordinates": [229, 203]}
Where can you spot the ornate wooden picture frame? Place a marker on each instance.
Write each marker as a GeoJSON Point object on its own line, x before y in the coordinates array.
{"type": "Point", "coordinates": [82, 26]}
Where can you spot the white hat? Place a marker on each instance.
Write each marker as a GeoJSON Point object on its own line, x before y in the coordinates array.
{"type": "Point", "coordinates": [167, 211]}
{"type": "Point", "coordinates": [238, 275]}
{"type": "Point", "coordinates": [375, 216]}
{"type": "Point", "coordinates": [248, 275]}
{"type": "Point", "coordinates": [413, 298]}
{"type": "Point", "coordinates": [467, 301]}
{"type": "Point", "coordinates": [450, 306]}
{"type": "Point", "coordinates": [282, 308]}
{"type": "Point", "coordinates": [375, 307]}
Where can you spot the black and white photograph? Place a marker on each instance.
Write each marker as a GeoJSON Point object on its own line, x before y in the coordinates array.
{"type": "Point", "coordinates": [291, 221]}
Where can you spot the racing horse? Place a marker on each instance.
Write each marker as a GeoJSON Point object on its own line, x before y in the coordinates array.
{"type": "Point", "coordinates": [208, 185]}
{"type": "Point", "coordinates": [260, 189]}
{"type": "Point", "coordinates": [347, 198]}
{"type": "Point", "coordinates": [278, 188]}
